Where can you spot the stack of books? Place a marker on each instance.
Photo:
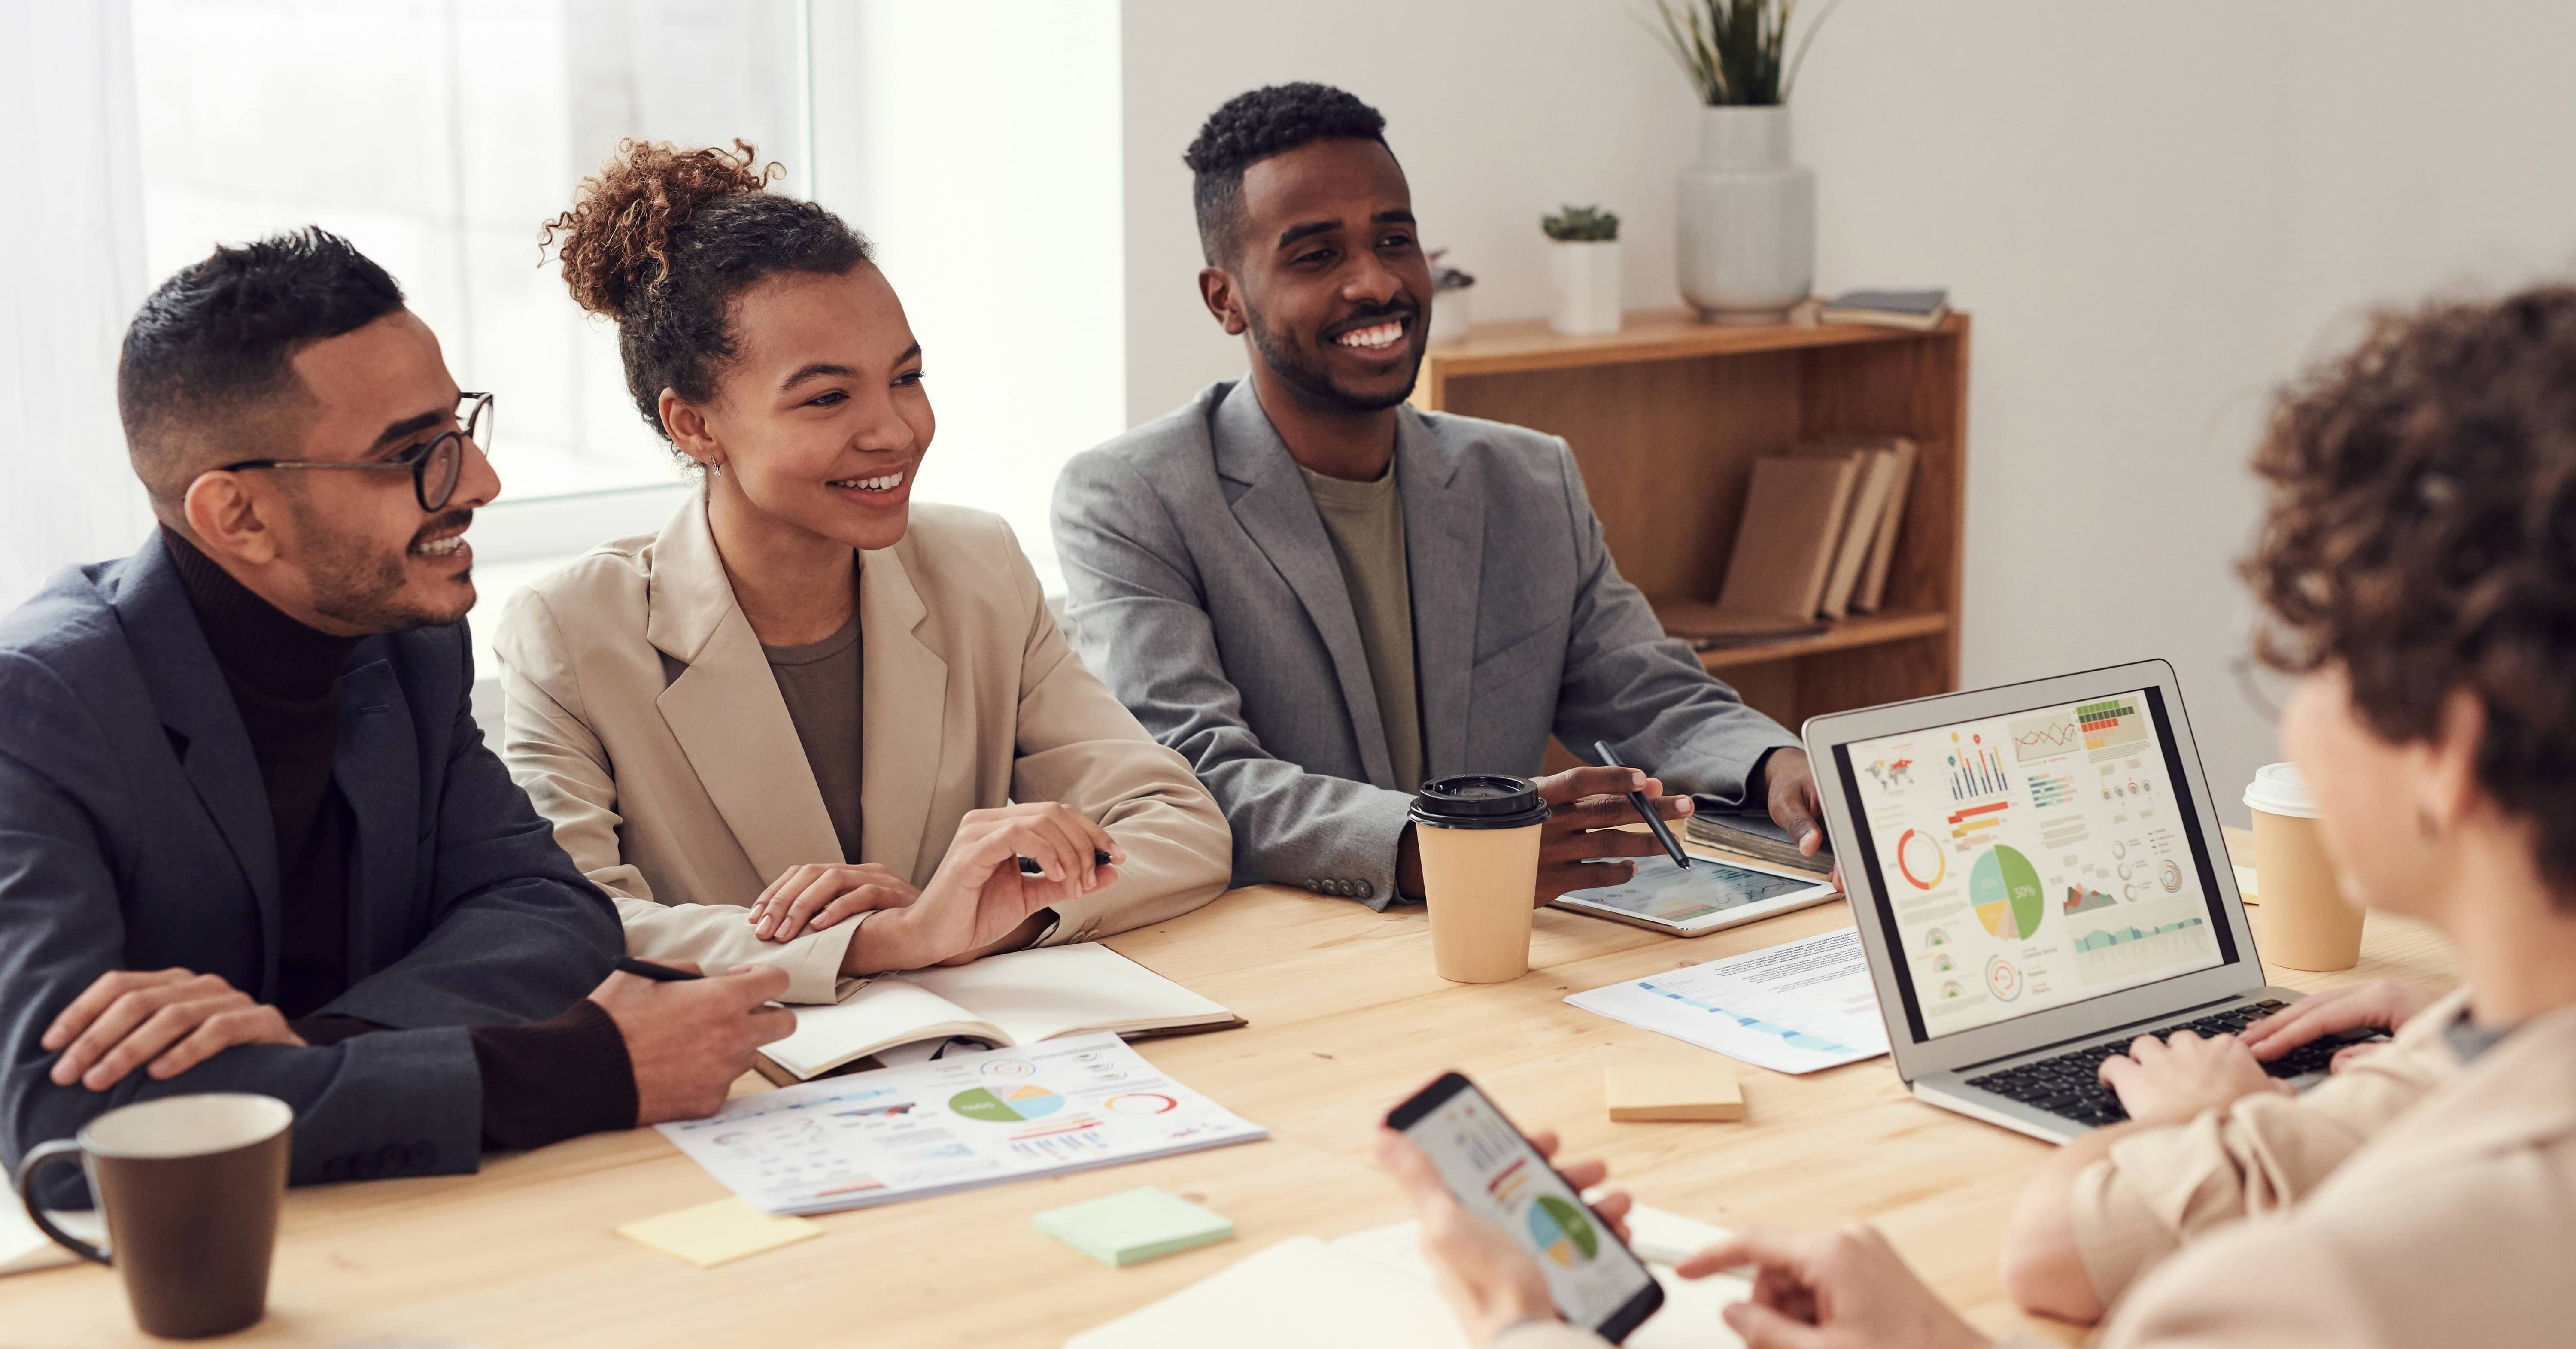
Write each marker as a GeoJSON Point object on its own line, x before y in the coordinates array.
{"type": "Point", "coordinates": [1816, 542]}
{"type": "Point", "coordinates": [1918, 311]}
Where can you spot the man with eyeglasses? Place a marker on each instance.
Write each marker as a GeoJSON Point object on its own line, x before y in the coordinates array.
{"type": "Point", "coordinates": [250, 839]}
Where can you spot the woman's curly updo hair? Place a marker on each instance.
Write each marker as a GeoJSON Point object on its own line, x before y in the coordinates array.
{"type": "Point", "coordinates": [664, 239]}
{"type": "Point", "coordinates": [2422, 536]}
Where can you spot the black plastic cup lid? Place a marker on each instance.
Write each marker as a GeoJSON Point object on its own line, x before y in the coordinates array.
{"type": "Point", "coordinates": [1479, 801]}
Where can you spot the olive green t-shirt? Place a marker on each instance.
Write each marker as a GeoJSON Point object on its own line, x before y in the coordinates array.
{"type": "Point", "coordinates": [1365, 521]}
{"type": "Point", "coordinates": [821, 685]}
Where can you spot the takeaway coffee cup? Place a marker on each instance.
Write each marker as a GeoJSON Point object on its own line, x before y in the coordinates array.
{"type": "Point", "coordinates": [2303, 921]}
{"type": "Point", "coordinates": [190, 1186]}
{"type": "Point", "coordinates": [1478, 836]}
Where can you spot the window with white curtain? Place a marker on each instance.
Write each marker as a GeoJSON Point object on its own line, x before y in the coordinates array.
{"type": "Point", "coordinates": [977, 142]}
{"type": "Point", "coordinates": [439, 136]}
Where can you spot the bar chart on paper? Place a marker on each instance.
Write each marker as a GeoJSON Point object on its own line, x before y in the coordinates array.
{"type": "Point", "coordinates": [1792, 1008]}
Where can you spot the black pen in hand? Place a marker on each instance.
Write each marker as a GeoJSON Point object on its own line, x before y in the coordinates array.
{"type": "Point", "coordinates": [660, 974]}
{"type": "Point", "coordinates": [1029, 865]}
{"type": "Point", "coordinates": [1645, 808]}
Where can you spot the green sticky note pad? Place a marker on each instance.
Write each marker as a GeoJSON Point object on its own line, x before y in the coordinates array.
{"type": "Point", "coordinates": [1137, 1225]}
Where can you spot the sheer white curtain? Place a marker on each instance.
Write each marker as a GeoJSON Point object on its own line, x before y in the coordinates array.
{"type": "Point", "coordinates": [71, 250]}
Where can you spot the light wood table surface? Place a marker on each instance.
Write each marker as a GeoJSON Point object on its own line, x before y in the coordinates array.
{"type": "Point", "coordinates": [1346, 1019]}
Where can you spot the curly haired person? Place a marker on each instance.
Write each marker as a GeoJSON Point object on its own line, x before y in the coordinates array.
{"type": "Point", "coordinates": [811, 724]}
{"type": "Point", "coordinates": [2418, 567]}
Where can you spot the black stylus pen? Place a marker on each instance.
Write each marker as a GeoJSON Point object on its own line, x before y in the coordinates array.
{"type": "Point", "coordinates": [1029, 865]}
{"type": "Point", "coordinates": [660, 974]}
{"type": "Point", "coordinates": [1645, 808]}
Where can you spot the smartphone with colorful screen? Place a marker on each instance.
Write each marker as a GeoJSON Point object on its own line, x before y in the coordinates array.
{"type": "Point", "coordinates": [1595, 1280]}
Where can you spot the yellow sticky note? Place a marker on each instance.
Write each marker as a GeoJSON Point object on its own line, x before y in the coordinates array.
{"type": "Point", "coordinates": [1693, 1091]}
{"type": "Point", "coordinates": [711, 1234]}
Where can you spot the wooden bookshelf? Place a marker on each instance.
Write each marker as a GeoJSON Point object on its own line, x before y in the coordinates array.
{"type": "Point", "coordinates": [1665, 418]}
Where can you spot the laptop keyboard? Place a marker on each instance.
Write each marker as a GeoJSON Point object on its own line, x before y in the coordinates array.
{"type": "Point", "coordinates": [2070, 1084]}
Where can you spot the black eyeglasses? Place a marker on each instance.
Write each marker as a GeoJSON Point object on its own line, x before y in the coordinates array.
{"type": "Point", "coordinates": [434, 467]}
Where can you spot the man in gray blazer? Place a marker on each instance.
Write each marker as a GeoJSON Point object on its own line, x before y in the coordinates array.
{"type": "Point", "coordinates": [1322, 596]}
{"type": "Point", "coordinates": [250, 839]}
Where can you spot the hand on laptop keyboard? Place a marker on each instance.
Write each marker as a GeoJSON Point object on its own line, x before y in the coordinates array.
{"type": "Point", "coordinates": [2070, 1084]}
{"type": "Point", "coordinates": [2170, 1079]}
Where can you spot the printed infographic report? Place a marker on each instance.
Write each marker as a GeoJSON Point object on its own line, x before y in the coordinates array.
{"type": "Point", "coordinates": [2034, 860]}
{"type": "Point", "coordinates": [954, 1123]}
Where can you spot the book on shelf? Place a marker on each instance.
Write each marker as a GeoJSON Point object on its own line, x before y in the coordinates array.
{"type": "Point", "coordinates": [1700, 626]}
{"type": "Point", "coordinates": [1716, 824]}
{"type": "Point", "coordinates": [1006, 1000]}
{"type": "Point", "coordinates": [1861, 522]}
{"type": "Point", "coordinates": [1918, 311]}
{"type": "Point", "coordinates": [1882, 547]}
{"type": "Point", "coordinates": [1786, 546]}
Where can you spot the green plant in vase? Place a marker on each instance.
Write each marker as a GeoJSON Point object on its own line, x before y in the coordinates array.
{"type": "Point", "coordinates": [1581, 224]}
{"type": "Point", "coordinates": [1732, 49]}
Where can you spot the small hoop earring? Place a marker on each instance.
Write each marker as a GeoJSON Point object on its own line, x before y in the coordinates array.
{"type": "Point", "coordinates": [716, 467]}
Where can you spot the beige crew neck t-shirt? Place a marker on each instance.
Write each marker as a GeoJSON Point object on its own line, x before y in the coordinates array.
{"type": "Point", "coordinates": [821, 685]}
{"type": "Point", "coordinates": [1365, 521]}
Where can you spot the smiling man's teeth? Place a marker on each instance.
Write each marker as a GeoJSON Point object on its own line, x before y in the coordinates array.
{"type": "Point", "coordinates": [442, 547]}
{"type": "Point", "coordinates": [1381, 335]}
{"type": "Point", "coordinates": [884, 482]}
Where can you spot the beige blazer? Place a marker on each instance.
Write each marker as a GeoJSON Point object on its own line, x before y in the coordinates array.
{"type": "Point", "coordinates": [2456, 1225]}
{"type": "Point", "coordinates": [2161, 1188]}
{"type": "Point", "coordinates": [683, 796]}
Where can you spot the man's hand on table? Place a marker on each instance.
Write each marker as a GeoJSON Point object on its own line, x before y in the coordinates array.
{"type": "Point", "coordinates": [687, 1041]}
{"type": "Point", "coordinates": [171, 1020]}
{"type": "Point", "coordinates": [1789, 788]}
{"type": "Point", "coordinates": [1588, 812]}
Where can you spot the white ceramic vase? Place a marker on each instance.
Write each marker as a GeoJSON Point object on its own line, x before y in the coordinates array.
{"type": "Point", "coordinates": [1451, 315]}
{"type": "Point", "coordinates": [1587, 286]}
{"type": "Point", "coordinates": [1747, 219]}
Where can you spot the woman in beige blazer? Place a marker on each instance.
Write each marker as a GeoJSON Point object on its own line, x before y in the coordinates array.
{"type": "Point", "coordinates": [2419, 568]}
{"type": "Point", "coordinates": [807, 702]}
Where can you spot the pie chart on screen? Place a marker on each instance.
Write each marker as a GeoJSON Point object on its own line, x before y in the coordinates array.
{"type": "Point", "coordinates": [1562, 1232]}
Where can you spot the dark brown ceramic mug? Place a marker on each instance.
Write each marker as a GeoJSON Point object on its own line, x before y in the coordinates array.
{"type": "Point", "coordinates": [190, 1186]}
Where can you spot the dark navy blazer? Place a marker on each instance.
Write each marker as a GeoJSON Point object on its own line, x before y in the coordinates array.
{"type": "Point", "coordinates": [135, 834]}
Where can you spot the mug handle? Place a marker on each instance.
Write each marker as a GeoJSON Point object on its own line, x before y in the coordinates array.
{"type": "Point", "coordinates": [36, 1160]}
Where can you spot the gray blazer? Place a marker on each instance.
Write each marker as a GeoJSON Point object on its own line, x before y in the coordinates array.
{"type": "Point", "coordinates": [134, 834]}
{"type": "Point", "coordinates": [1204, 590]}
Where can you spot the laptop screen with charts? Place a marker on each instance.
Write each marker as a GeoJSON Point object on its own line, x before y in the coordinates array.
{"type": "Point", "coordinates": [2033, 863]}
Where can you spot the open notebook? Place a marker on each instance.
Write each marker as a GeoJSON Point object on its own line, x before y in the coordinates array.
{"type": "Point", "coordinates": [1005, 1000]}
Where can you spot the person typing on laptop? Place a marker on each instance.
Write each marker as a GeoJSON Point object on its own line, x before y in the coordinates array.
{"type": "Point", "coordinates": [2417, 570]}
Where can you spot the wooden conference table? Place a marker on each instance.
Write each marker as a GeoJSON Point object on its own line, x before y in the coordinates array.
{"type": "Point", "coordinates": [1346, 1018]}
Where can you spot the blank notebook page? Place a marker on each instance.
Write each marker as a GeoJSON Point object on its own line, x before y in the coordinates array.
{"type": "Point", "coordinates": [1040, 994]}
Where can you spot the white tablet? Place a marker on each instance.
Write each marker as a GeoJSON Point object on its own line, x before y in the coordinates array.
{"type": "Point", "coordinates": [1709, 896]}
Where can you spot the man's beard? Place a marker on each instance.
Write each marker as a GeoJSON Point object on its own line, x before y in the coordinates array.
{"type": "Point", "coordinates": [1310, 378]}
{"type": "Point", "coordinates": [355, 583]}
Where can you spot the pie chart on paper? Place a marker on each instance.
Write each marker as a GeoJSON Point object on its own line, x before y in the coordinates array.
{"type": "Point", "coordinates": [1006, 1105]}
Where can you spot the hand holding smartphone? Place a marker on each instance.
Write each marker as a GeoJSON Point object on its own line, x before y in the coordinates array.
{"type": "Point", "coordinates": [1495, 1173]}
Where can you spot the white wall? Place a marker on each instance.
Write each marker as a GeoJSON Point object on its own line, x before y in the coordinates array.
{"type": "Point", "coordinates": [2156, 212]}
{"type": "Point", "coordinates": [977, 145]}
{"type": "Point", "coordinates": [1500, 110]}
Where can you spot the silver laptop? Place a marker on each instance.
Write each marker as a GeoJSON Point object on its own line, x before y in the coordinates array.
{"type": "Point", "coordinates": [2038, 879]}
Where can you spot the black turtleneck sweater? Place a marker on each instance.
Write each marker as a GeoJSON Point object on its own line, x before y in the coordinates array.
{"type": "Point", "coordinates": [541, 1083]}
